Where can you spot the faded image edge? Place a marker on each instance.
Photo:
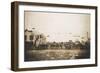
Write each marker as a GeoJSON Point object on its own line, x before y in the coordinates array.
{"type": "Point", "coordinates": [51, 36]}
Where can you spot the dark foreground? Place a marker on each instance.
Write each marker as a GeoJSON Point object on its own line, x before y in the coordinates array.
{"type": "Point", "coordinates": [62, 54]}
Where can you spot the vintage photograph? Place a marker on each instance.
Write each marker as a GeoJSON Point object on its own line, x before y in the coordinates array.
{"type": "Point", "coordinates": [56, 36]}
{"type": "Point", "coordinates": [52, 36]}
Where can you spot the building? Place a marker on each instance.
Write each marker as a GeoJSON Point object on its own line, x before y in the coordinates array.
{"type": "Point", "coordinates": [34, 38]}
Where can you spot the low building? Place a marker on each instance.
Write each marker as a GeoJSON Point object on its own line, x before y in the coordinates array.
{"type": "Point", "coordinates": [35, 38]}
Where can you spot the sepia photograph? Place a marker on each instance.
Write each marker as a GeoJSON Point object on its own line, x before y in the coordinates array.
{"type": "Point", "coordinates": [52, 36]}
{"type": "Point", "coordinates": [56, 36]}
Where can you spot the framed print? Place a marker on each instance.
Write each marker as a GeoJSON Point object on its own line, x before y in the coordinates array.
{"type": "Point", "coordinates": [52, 36]}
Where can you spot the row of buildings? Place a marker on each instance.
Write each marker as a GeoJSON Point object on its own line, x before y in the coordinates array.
{"type": "Point", "coordinates": [33, 39]}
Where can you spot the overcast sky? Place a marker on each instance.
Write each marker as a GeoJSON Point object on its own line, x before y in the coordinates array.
{"type": "Point", "coordinates": [59, 26]}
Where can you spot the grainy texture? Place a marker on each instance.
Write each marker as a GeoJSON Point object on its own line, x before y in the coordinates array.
{"type": "Point", "coordinates": [14, 35]}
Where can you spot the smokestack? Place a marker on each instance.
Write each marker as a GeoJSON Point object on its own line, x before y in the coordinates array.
{"type": "Point", "coordinates": [87, 36]}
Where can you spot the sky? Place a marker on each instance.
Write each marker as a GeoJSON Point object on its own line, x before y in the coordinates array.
{"type": "Point", "coordinates": [60, 27]}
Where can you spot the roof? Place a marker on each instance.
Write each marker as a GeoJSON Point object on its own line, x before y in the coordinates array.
{"type": "Point", "coordinates": [28, 30]}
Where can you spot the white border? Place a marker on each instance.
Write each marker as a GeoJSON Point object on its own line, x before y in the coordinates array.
{"type": "Point", "coordinates": [34, 64]}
